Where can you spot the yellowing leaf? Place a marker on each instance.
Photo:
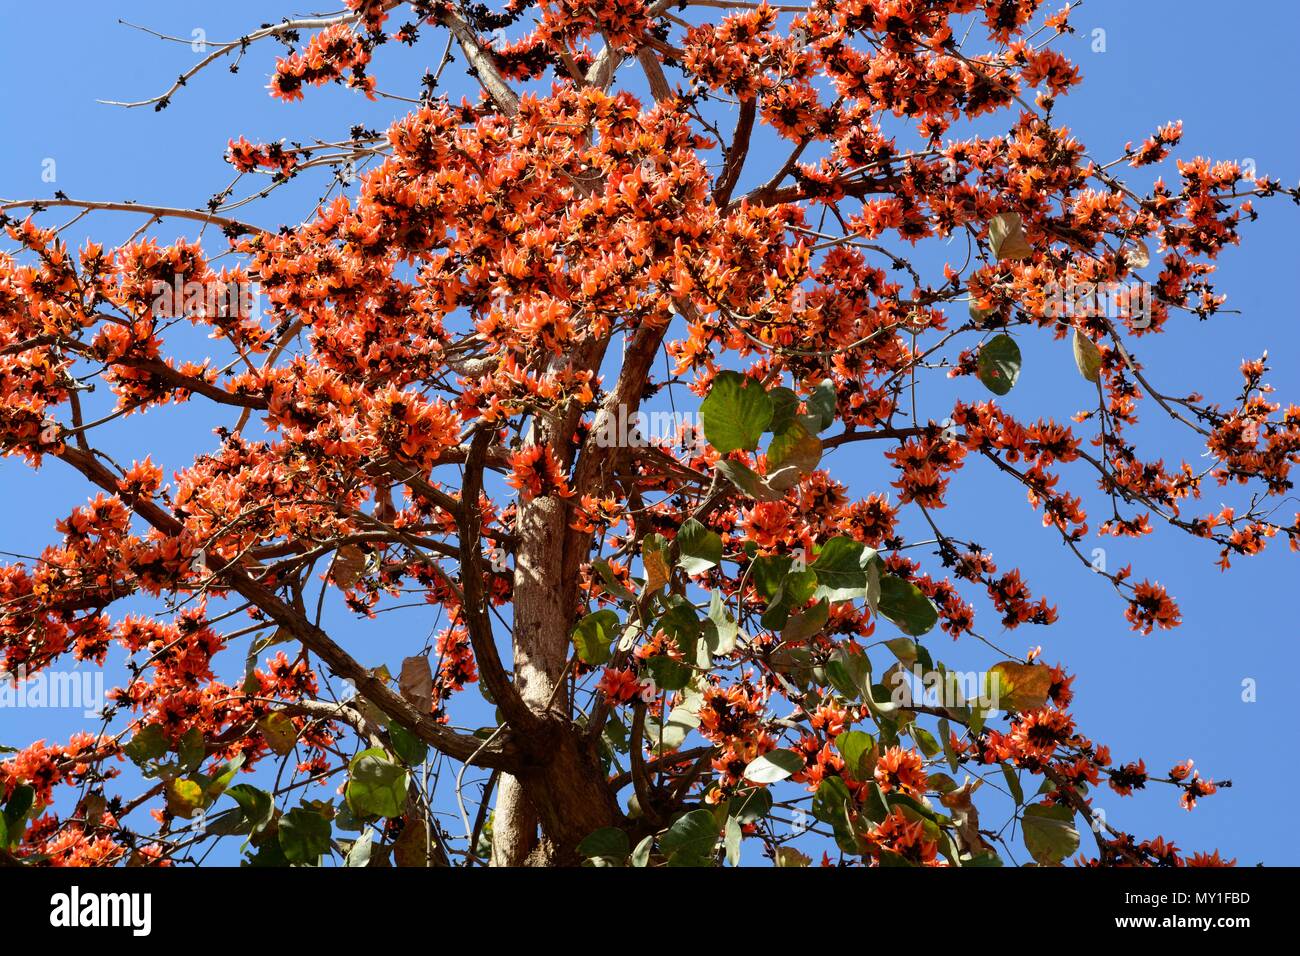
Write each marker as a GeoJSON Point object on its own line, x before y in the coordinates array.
{"type": "Point", "coordinates": [279, 731]}
{"type": "Point", "coordinates": [1138, 256]}
{"type": "Point", "coordinates": [1018, 687]}
{"type": "Point", "coordinates": [1087, 356]}
{"type": "Point", "coordinates": [183, 797]}
{"type": "Point", "coordinates": [656, 567]}
{"type": "Point", "coordinates": [789, 856]}
{"type": "Point", "coordinates": [1007, 237]}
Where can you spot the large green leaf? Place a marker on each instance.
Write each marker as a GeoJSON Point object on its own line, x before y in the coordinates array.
{"type": "Point", "coordinates": [999, 364]}
{"type": "Point", "coordinates": [854, 746]}
{"type": "Point", "coordinates": [749, 481]}
{"type": "Point", "coordinates": [149, 743]}
{"type": "Point", "coordinates": [785, 408]}
{"type": "Point", "coordinates": [804, 624]}
{"type": "Point", "coordinates": [593, 636]}
{"type": "Point", "coordinates": [698, 548]}
{"type": "Point", "coordinates": [1049, 832]}
{"type": "Point", "coordinates": [720, 629]}
{"type": "Point", "coordinates": [609, 844]}
{"type": "Point", "coordinates": [795, 590]}
{"type": "Point", "coordinates": [773, 766]}
{"type": "Point", "coordinates": [376, 785]}
{"type": "Point", "coordinates": [793, 452]}
{"type": "Point", "coordinates": [410, 749]}
{"type": "Point", "coordinates": [690, 841]}
{"type": "Point", "coordinates": [840, 575]}
{"type": "Point", "coordinates": [256, 806]}
{"type": "Point", "coordinates": [736, 412]}
{"type": "Point", "coordinates": [304, 836]}
{"type": "Point", "coordinates": [904, 604]}
{"type": "Point", "coordinates": [822, 404]}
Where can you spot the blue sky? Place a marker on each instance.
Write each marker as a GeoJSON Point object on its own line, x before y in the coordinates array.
{"type": "Point", "coordinates": [1165, 698]}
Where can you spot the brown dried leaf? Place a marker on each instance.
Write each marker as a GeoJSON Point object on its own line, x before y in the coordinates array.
{"type": "Point", "coordinates": [415, 683]}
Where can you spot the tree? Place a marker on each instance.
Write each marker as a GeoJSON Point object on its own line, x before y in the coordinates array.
{"type": "Point", "coordinates": [689, 628]}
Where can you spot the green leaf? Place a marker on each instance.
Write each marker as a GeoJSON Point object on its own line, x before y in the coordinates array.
{"type": "Point", "coordinates": [698, 548]}
{"type": "Point", "coordinates": [925, 740]}
{"type": "Point", "coordinates": [304, 836]}
{"type": "Point", "coordinates": [796, 588]}
{"type": "Point", "coordinates": [854, 746]}
{"type": "Point", "coordinates": [769, 572]}
{"type": "Point", "coordinates": [1087, 357]}
{"type": "Point", "coordinates": [849, 672]}
{"type": "Point", "coordinates": [593, 636]}
{"type": "Point", "coordinates": [668, 672]}
{"type": "Point", "coordinates": [681, 720]}
{"type": "Point", "coordinates": [720, 628]}
{"type": "Point", "coordinates": [192, 750]}
{"type": "Point", "coordinates": [215, 785]}
{"type": "Point", "coordinates": [19, 805]}
{"type": "Point", "coordinates": [774, 766]}
{"type": "Point", "coordinates": [793, 452]}
{"type": "Point", "coordinates": [830, 805]}
{"type": "Point", "coordinates": [279, 731]}
{"type": "Point", "coordinates": [359, 852]}
{"type": "Point", "coordinates": [840, 575]}
{"type": "Point", "coordinates": [822, 404]}
{"type": "Point", "coordinates": [607, 843]}
{"type": "Point", "coordinates": [750, 806]}
{"type": "Point", "coordinates": [905, 605]}
{"type": "Point", "coordinates": [785, 408]}
{"type": "Point", "coordinates": [612, 584]}
{"type": "Point", "coordinates": [998, 366]}
{"type": "Point", "coordinates": [691, 839]}
{"type": "Point", "coordinates": [735, 413]}
{"type": "Point", "coordinates": [874, 807]}
{"type": "Point", "coordinates": [376, 786]}
{"type": "Point", "coordinates": [641, 855]}
{"type": "Point", "coordinates": [256, 806]}
{"type": "Point", "coordinates": [1013, 784]}
{"type": "Point", "coordinates": [904, 649]}
{"type": "Point", "coordinates": [945, 735]}
{"type": "Point", "coordinates": [184, 797]}
{"type": "Point", "coordinates": [410, 749]}
{"type": "Point", "coordinates": [805, 624]}
{"type": "Point", "coordinates": [13, 819]}
{"type": "Point", "coordinates": [1049, 833]}
{"type": "Point", "coordinates": [732, 835]}
{"type": "Point", "coordinates": [749, 481]}
{"type": "Point", "coordinates": [149, 743]}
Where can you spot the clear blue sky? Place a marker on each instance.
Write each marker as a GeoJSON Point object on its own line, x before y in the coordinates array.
{"type": "Point", "coordinates": [1227, 72]}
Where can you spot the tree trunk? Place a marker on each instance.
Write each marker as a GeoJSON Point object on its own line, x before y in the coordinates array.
{"type": "Point", "coordinates": [564, 792]}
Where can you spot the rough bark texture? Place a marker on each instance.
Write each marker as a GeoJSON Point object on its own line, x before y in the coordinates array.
{"type": "Point", "coordinates": [565, 791]}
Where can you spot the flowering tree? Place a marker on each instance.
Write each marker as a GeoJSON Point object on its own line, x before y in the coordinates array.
{"type": "Point", "coordinates": [688, 640]}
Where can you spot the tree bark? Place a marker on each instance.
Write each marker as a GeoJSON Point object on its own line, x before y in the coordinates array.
{"type": "Point", "coordinates": [564, 790]}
